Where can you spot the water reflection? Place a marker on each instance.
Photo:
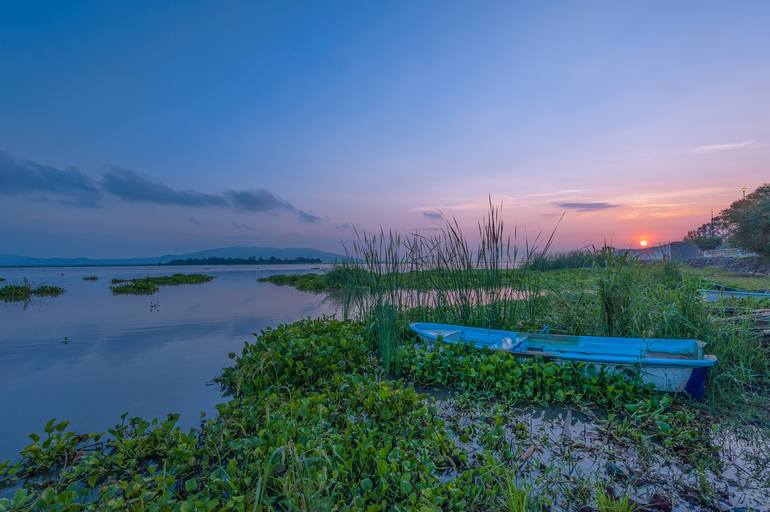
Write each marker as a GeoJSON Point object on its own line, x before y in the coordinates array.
{"type": "Point", "coordinates": [145, 355]}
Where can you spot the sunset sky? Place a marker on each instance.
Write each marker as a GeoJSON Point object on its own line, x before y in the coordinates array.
{"type": "Point", "coordinates": [144, 128]}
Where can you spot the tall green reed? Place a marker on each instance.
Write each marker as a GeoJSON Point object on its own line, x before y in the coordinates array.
{"type": "Point", "coordinates": [446, 277]}
{"type": "Point", "coordinates": [615, 283]}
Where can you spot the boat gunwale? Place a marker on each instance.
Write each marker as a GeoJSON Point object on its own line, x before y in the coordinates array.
{"type": "Point", "coordinates": [705, 362]}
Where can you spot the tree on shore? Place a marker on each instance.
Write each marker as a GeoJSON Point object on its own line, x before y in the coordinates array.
{"type": "Point", "coordinates": [709, 236]}
{"type": "Point", "coordinates": [748, 221]}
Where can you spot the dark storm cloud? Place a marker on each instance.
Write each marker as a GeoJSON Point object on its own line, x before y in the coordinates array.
{"type": "Point", "coordinates": [433, 215]}
{"type": "Point", "coordinates": [69, 186]}
{"type": "Point", "coordinates": [131, 186]}
{"type": "Point", "coordinates": [587, 207]}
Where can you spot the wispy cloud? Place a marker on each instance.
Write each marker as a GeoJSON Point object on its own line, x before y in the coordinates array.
{"type": "Point", "coordinates": [308, 217]}
{"type": "Point", "coordinates": [245, 227]}
{"type": "Point", "coordinates": [518, 201]}
{"type": "Point", "coordinates": [434, 215]}
{"type": "Point", "coordinates": [261, 200]}
{"type": "Point", "coordinates": [131, 186]}
{"type": "Point", "coordinates": [672, 197]}
{"type": "Point", "coordinates": [586, 207]}
{"type": "Point", "coordinates": [711, 148]}
{"type": "Point", "coordinates": [73, 187]}
{"type": "Point", "coordinates": [558, 193]}
{"type": "Point", "coordinates": [68, 186]}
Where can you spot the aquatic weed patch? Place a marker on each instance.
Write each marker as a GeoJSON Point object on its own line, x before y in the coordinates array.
{"type": "Point", "coordinates": [150, 285]}
{"type": "Point", "coordinates": [335, 279]}
{"type": "Point", "coordinates": [635, 410]}
{"type": "Point", "coordinates": [302, 282]}
{"type": "Point", "coordinates": [24, 292]}
{"type": "Point", "coordinates": [317, 433]}
{"type": "Point", "coordinates": [311, 425]}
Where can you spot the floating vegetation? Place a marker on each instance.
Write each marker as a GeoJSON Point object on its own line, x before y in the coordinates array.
{"type": "Point", "coordinates": [150, 285]}
{"type": "Point", "coordinates": [311, 425]}
{"type": "Point", "coordinates": [253, 260]}
{"type": "Point", "coordinates": [335, 279]}
{"type": "Point", "coordinates": [24, 292]}
{"type": "Point", "coordinates": [303, 282]}
{"type": "Point", "coordinates": [91, 278]}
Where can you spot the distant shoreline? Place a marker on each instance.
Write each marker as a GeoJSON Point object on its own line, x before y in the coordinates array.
{"type": "Point", "coordinates": [107, 265]}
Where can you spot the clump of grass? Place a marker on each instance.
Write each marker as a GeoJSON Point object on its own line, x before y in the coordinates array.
{"type": "Point", "coordinates": [608, 503]}
{"type": "Point", "coordinates": [516, 498]}
{"type": "Point", "coordinates": [150, 285]}
{"type": "Point", "coordinates": [90, 278]}
{"type": "Point", "coordinates": [24, 292]}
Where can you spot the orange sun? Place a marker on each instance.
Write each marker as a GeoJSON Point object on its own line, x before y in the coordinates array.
{"type": "Point", "coordinates": [643, 243]}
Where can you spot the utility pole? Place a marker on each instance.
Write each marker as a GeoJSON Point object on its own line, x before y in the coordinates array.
{"type": "Point", "coordinates": [743, 189]}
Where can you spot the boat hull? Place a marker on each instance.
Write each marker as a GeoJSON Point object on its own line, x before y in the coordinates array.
{"type": "Point", "coordinates": [672, 379]}
{"type": "Point", "coordinates": [668, 365]}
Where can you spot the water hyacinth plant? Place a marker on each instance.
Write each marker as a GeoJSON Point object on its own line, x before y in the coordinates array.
{"type": "Point", "coordinates": [24, 292]}
{"type": "Point", "coordinates": [309, 425]}
{"type": "Point", "coordinates": [150, 285]}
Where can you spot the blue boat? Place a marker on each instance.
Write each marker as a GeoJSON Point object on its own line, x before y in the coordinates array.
{"type": "Point", "coordinates": [673, 365]}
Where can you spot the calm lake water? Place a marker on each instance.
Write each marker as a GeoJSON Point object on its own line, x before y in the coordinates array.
{"type": "Point", "coordinates": [142, 355]}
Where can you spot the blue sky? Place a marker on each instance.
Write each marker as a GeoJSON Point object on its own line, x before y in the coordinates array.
{"type": "Point", "coordinates": [145, 128]}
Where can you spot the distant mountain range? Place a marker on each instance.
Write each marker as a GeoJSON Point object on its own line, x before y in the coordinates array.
{"type": "Point", "coordinates": [10, 260]}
